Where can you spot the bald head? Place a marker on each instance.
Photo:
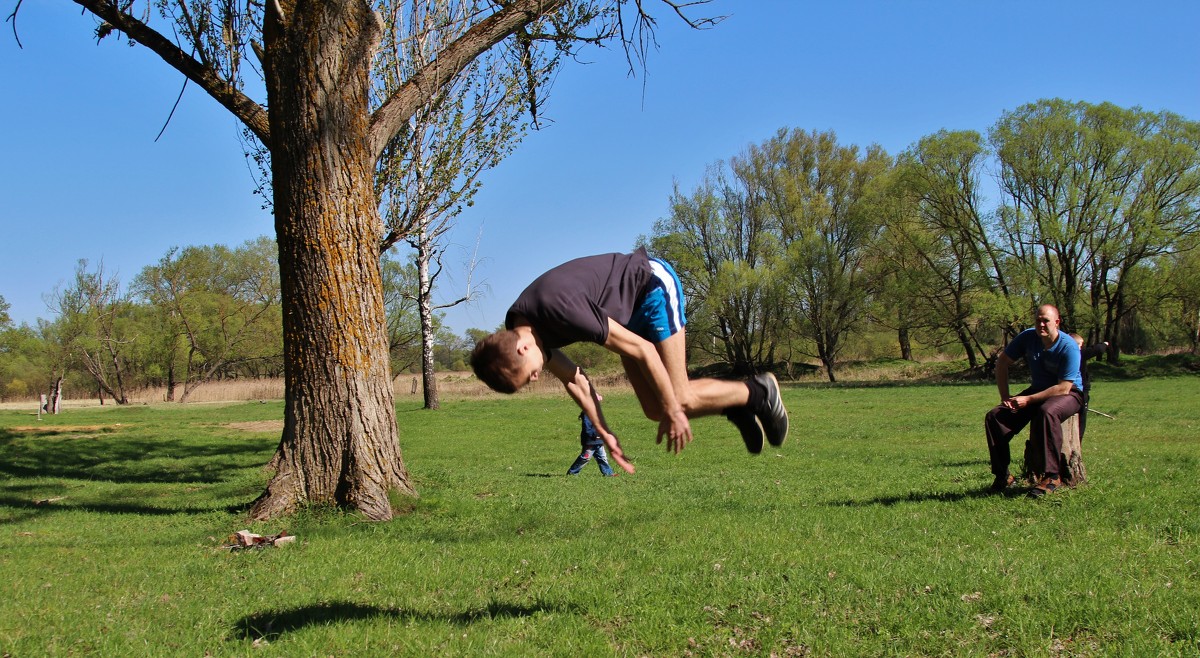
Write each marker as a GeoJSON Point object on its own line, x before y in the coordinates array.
{"type": "Point", "coordinates": [1047, 322]}
{"type": "Point", "coordinates": [1048, 310]}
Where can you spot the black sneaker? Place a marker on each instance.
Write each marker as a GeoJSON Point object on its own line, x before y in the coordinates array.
{"type": "Point", "coordinates": [771, 414]}
{"type": "Point", "coordinates": [746, 422]}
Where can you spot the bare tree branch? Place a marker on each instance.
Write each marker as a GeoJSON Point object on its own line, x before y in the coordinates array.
{"type": "Point", "coordinates": [12, 18]}
{"type": "Point", "coordinates": [390, 118]}
{"type": "Point", "coordinates": [241, 106]}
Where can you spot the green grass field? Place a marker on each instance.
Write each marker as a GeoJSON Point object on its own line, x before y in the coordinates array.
{"type": "Point", "coordinates": [867, 534]}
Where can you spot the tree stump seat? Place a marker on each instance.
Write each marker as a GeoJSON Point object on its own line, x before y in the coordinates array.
{"type": "Point", "coordinates": [1070, 460]}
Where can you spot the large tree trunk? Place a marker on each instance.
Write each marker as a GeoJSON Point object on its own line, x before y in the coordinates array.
{"type": "Point", "coordinates": [339, 441]}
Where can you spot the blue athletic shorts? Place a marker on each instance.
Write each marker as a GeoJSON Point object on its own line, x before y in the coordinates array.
{"type": "Point", "coordinates": [659, 314]}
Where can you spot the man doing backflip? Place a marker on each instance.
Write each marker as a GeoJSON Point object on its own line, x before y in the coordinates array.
{"type": "Point", "coordinates": [632, 305]}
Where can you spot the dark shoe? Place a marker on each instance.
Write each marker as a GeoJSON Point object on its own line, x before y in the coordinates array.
{"type": "Point", "coordinates": [1002, 482]}
{"type": "Point", "coordinates": [772, 415]}
{"type": "Point", "coordinates": [752, 432]}
{"type": "Point", "coordinates": [1046, 485]}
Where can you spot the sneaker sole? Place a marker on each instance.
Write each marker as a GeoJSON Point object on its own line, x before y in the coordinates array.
{"type": "Point", "coordinates": [749, 427]}
{"type": "Point", "coordinates": [775, 421]}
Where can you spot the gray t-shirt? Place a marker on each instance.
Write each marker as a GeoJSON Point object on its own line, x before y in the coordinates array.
{"type": "Point", "coordinates": [573, 302]}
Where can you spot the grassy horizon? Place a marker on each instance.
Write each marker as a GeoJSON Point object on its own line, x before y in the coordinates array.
{"type": "Point", "coordinates": [868, 533]}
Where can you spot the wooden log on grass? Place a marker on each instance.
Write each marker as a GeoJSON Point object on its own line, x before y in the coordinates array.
{"type": "Point", "coordinates": [1070, 460]}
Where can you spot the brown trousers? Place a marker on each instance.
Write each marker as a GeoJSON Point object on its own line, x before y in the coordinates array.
{"type": "Point", "coordinates": [1045, 429]}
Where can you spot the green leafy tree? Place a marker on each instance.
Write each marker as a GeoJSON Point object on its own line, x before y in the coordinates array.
{"type": "Point", "coordinates": [904, 279]}
{"type": "Point", "coordinates": [1157, 214]}
{"type": "Point", "coordinates": [939, 224]}
{"type": "Point", "coordinates": [826, 200]}
{"type": "Point", "coordinates": [1048, 170]}
{"type": "Point", "coordinates": [93, 329]}
{"type": "Point", "coordinates": [1180, 311]}
{"type": "Point", "coordinates": [1094, 192]}
{"type": "Point", "coordinates": [23, 368]}
{"type": "Point", "coordinates": [19, 373]}
{"type": "Point", "coordinates": [403, 317]}
{"type": "Point", "coordinates": [218, 307]}
{"type": "Point", "coordinates": [723, 248]}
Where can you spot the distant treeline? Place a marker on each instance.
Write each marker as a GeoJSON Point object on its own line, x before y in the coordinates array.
{"type": "Point", "coordinates": [800, 250]}
{"type": "Point", "coordinates": [799, 247]}
{"type": "Point", "coordinates": [200, 314]}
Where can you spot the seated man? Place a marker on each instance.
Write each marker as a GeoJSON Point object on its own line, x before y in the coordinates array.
{"type": "Point", "coordinates": [1056, 393]}
{"type": "Point", "coordinates": [632, 305]}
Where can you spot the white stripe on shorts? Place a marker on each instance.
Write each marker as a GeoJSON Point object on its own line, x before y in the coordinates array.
{"type": "Point", "coordinates": [670, 286]}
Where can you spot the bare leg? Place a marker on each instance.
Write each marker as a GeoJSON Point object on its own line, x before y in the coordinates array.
{"type": "Point", "coordinates": [699, 397]}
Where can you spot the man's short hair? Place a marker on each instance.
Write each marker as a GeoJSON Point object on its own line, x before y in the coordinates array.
{"type": "Point", "coordinates": [493, 362]}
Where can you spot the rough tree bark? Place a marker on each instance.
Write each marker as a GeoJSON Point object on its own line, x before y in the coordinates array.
{"type": "Point", "coordinates": [1070, 461]}
{"type": "Point", "coordinates": [339, 439]}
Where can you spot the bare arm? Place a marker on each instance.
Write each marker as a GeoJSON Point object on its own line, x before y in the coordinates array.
{"type": "Point", "coordinates": [1062, 388]}
{"type": "Point", "coordinates": [1002, 363]}
{"type": "Point", "coordinates": [674, 422]}
{"type": "Point", "coordinates": [580, 388]}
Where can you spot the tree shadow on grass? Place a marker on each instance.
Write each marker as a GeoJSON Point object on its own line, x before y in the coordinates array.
{"type": "Point", "coordinates": [106, 454]}
{"type": "Point", "coordinates": [31, 508]}
{"type": "Point", "coordinates": [272, 624]}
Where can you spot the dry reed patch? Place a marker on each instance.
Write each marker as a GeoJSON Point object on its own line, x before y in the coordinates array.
{"type": "Point", "coordinates": [407, 387]}
{"type": "Point", "coordinates": [258, 426]}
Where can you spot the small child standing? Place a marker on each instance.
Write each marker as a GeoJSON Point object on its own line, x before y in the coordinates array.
{"type": "Point", "coordinates": [591, 446]}
{"type": "Point", "coordinates": [1086, 353]}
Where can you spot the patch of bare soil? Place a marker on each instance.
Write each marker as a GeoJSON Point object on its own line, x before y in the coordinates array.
{"type": "Point", "coordinates": [258, 426]}
{"type": "Point", "coordinates": [63, 429]}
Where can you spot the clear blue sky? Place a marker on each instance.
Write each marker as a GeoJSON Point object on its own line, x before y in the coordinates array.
{"type": "Point", "coordinates": [82, 177]}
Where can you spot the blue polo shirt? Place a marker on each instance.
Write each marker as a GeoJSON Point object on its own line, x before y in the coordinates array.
{"type": "Point", "coordinates": [1048, 365]}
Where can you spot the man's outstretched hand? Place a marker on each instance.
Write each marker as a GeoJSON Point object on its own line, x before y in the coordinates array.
{"type": "Point", "coordinates": [677, 429]}
{"type": "Point", "coordinates": [614, 451]}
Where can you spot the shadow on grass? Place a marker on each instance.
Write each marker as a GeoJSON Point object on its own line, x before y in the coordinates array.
{"type": "Point", "coordinates": [271, 625]}
{"type": "Point", "coordinates": [102, 454]}
{"type": "Point", "coordinates": [916, 497]}
{"type": "Point", "coordinates": [33, 508]}
{"type": "Point", "coordinates": [982, 461]}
